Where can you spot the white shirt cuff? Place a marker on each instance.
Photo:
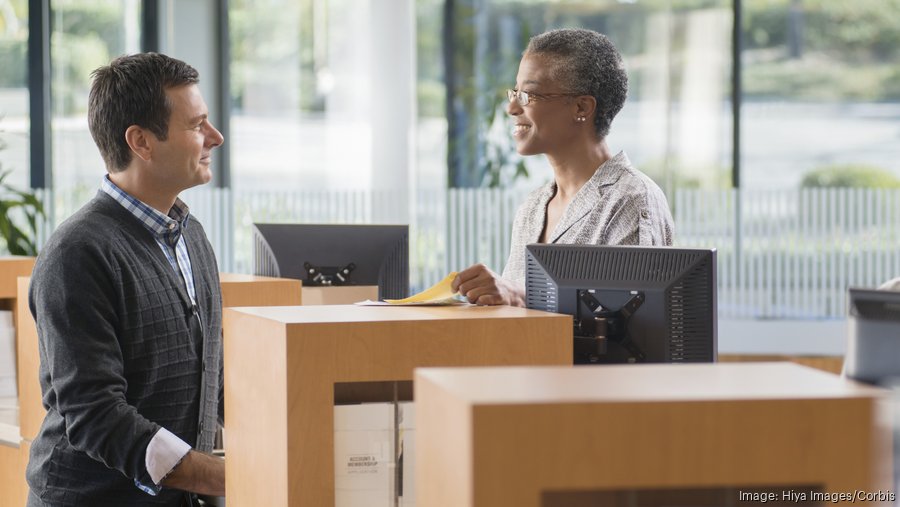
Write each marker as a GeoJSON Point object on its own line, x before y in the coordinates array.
{"type": "Point", "coordinates": [163, 453]}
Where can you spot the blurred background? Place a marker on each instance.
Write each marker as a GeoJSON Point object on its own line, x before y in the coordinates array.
{"type": "Point", "coordinates": [772, 126]}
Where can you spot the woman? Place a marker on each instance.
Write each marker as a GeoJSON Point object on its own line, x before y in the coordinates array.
{"type": "Point", "coordinates": [571, 84]}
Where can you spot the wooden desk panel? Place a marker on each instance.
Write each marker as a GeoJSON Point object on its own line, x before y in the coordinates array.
{"type": "Point", "coordinates": [281, 364]}
{"type": "Point", "coordinates": [252, 290]}
{"type": "Point", "coordinates": [339, 295]}
{"type": "Point", "coordinates": [13, 488]}
{"type": "Point", "coordinates": [31, 409]}
{"type": "Point", "coordinates": [492, 437]}
{"type": "Point", "coordinates": [12, 267]}
{"type": "Point", "coordinates": [831, 364]}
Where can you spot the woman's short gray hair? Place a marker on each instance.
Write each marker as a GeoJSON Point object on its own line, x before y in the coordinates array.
{"type": "Point", "coordinates": [586, 62]}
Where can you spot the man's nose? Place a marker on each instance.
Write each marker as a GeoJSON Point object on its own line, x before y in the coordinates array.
{"type": "Point", "coordinates": [214, 137]}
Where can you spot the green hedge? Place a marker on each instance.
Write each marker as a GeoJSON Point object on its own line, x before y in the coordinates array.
{"type": "Point", "coordinates": [850, 176]}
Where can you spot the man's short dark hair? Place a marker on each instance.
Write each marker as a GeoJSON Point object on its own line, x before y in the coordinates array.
{"type": "Point", "coordinates": [131, 90]}
{"type": "Point", "coordinates": [586, 62]}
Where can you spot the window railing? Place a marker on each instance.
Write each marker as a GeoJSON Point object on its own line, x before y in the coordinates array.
{"type": "Point", "coordinates": [784, 254]}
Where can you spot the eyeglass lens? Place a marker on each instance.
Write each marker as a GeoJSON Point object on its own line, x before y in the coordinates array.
{"type": "Point", "coordinates": [518, 95]}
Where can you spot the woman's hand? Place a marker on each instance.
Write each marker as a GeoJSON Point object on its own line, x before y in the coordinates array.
{"type": "Point", "coordinates": [482, 286]}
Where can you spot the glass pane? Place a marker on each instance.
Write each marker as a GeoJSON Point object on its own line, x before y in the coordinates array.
{"type": "Point", "coordinates": [431, 124]}
{"type": "Point", "coordinates": [821, 93]}
{"type": "Point", "coordinates": [301, 90]}
{"type": "Point", "coordinates": [14, 123]}
{"type": "Point", "coordinates": [323, 100]}
{"type": "Point", "coordinates": [820, 160]}
{"type": "Point", "coordinates": [676, 124]}
{"type": "Point", "coordinates": [86, 34]}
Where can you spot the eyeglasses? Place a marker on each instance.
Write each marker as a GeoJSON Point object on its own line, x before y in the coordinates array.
{"type": "Point", "coordinates": [525, 98]}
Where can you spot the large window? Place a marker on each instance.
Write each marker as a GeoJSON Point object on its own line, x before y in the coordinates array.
{"type": "Point", "coordinates": [821, 93]}
{"type": "Point", "coordinates": [393, 111]}
{"type": "Point", "coordinates": [322, 120]}
{"type": "Point", "coordinates": [85, 34]}
{"type": "Point", "coordinates": [14, 139]}
{"type": "Point", "coordinates": [322, 93]}
{"type": "Point", "coordinates": [676, 125]}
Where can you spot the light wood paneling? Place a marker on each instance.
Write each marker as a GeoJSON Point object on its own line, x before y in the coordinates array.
{"type": "Point", "coordinates": [643, 427]}
{"type": "Point", "coordinates": [31, 410]}
{"type": "Point", "coordinates": [13, 488]}
{"type": "Point", "coordinates": [341, 295]}
{"type": "Point", "coordinates": [251, 290]}
{"type": "Point", "coordinates": [281, 365]}
{"type": "Point", "coordinates": [831, 364]}
{"type": "Point", "coordinates": [11, 268]}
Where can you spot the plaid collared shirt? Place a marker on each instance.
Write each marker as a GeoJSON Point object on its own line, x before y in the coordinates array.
{"type": "Point", "coordinates": [166, 230]}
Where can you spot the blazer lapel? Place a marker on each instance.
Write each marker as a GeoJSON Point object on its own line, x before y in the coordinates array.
{"type": "Point", "coordinates": [538, 217]}
{"type": "Point", "coordinates": [589, 195]}
{"type": "Point", "coordinates": [583, 203]}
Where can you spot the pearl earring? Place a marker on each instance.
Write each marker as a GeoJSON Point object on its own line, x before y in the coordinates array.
{"type": "Point", "coordinates": [580, 118]}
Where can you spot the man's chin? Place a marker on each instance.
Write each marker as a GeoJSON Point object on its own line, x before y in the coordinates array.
{"type": "Point", "coordinates": [204, 175]}
{"type": "Point", "coordinates": [202, 179]}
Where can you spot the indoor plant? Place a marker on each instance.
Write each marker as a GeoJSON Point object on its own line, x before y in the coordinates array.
{"type": "Point", "coordinates": [17, 206]}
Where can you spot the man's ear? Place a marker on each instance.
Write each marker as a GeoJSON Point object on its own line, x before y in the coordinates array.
{"type": "Point", "coordinates": [140, 142]}
{"type": "Point", "coordinates": [586, 106]}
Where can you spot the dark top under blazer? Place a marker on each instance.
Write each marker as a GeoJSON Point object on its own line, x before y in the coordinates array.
{"type": "Point", "coordinates": [119, 357]}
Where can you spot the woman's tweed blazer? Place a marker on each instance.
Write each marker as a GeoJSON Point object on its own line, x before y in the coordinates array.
{"type": "Point", "coordinates": [619, 205]}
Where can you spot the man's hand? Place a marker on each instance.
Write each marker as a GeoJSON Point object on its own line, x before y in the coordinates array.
{"type": "Point", "coordinates": [198, 473]}
{"type": "Point", "coordinates": [482, 286]}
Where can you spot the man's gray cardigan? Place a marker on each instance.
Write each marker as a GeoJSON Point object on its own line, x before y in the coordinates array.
{"type": "Point", "coordinates": [122, 353]}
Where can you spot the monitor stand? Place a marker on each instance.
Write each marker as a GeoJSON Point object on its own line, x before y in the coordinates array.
{"type": "Point", "coordinates": [327, 276]}
{"type": "Point", "coordinates": [593, 332]}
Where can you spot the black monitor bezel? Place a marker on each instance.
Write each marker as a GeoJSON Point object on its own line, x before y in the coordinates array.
{"type": "Point", "coordinates": [379, 253]}
{"type": "Point", "coordinates": [620, 289]}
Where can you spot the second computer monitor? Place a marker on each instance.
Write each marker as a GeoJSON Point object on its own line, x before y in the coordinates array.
{"type": "Point", "coordinates": [874, 340]}
{"type": "Point", "coordinates": [323, 255]}
{"type": "Point", "coordinates": [629, 304]}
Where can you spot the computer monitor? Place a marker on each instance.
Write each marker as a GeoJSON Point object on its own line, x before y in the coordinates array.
{"type": "Point", "coordinates": [874, 341]}
{"type": "Point", "coordinates": [629, 304]}
{"type": "Point", "coordinates": [327, 255]}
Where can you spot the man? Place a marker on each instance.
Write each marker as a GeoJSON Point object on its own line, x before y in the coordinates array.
{"type": "Point", "coordinates": [128, 307]}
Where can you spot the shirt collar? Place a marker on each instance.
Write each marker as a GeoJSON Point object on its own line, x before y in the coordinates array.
{"type": "Point", "coordinates": [610, 171]}
{"type": "Point", "coordinates": [167, 228]}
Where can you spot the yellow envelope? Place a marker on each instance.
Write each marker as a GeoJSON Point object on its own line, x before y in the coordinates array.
{"type": "Point", "coordinates": [436, 294]}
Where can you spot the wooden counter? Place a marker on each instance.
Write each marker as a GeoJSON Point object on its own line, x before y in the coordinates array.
{"type": "Point", "coordinates": [530, 437]}
{"type": "Point", "coordinates": [282, 364]}
{"type": "Point", "coordinates": [252, 290]}
{"type": "Point", "coordinates": [339, 294]}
